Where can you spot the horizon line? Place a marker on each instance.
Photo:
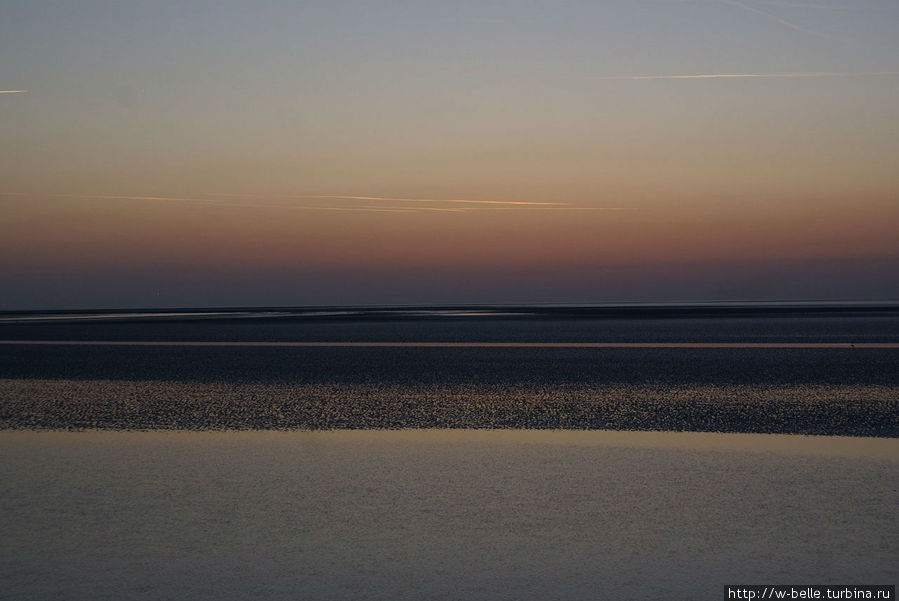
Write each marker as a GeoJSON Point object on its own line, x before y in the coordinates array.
{"type": "Point", "coordinates": [423, 344]}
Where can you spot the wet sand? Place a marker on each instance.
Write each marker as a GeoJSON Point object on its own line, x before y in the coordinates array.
{"type": "Point", "coordinates": [812, 372]}
{"type": "Point", "coordinates": [173, 405]}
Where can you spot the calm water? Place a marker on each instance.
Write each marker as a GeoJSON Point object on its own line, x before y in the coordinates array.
{"type": "Point", "coordinates": [439, 514]}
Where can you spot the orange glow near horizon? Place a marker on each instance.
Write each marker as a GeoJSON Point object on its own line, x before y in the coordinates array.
{"type": "Point", "coordinates": [101, 230]}
{"type": "Point", "coordinates": [585, 152]}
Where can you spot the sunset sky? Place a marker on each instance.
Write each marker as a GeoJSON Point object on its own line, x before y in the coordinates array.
{"type": "Point", "coordinates": [170, 154]}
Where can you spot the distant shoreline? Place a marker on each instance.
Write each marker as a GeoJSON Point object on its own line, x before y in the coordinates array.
{"type": "Point", "coordinates": [425, 312]}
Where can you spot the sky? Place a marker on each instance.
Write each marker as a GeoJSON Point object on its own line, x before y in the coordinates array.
{"type": "Point", "coordinates": [218, 153]}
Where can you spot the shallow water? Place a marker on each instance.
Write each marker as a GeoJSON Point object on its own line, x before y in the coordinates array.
{"type": "Point", "coordinates": [439, 514]}
{"type": "Point", "coordinates": [802, 370]}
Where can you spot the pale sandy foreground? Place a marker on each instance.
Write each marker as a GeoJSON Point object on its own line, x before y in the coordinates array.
{"type": "Point", "coordinates": [437, 514]}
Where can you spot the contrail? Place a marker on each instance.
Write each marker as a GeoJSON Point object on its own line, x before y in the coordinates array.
{"type": "Point", "coordinates": [211, 201]}
{"type": "Point", "coordinates": [117, 197]}
{"type": "Point", "coordinates": [555, 209]}
{"type": "Point", "coordinates": [13, 91]}
{"type": "Point", "coordinates": [386, 209]}
{"type": "Point", "coordinates": [756, 75]}
{"type": "Point", "coordinates": [335, 197]}
{"type": "Point", "coordinates": [447, 200]}
{"type": "Point", "coordinates": [495, 205]}
{"type": "Point", "coordinates": [492, 205]}
{"type": "Point", "coordinates": [811, 5]}
{"type": "Point", "coordinates": [201, 201]}
{"type": "Point", "coordinates": [208, 201]}
{"type": "Point", "coordinates": [773, 17]}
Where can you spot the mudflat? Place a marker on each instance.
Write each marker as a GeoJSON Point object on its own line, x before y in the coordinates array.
{"type": "Point", "coordinates": [832, 372]}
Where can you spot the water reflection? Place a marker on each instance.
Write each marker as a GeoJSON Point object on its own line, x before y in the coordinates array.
{"type": "Point", "coordinates": [439, 514]}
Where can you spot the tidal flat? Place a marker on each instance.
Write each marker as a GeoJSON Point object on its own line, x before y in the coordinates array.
{"type": "Point", "coordinates": [778, 370]}
{"type": "Point", "coordinates": [200, 457]}
{"type": "Point", "coordinates": [440, 514]}
{"type": "Point", "coordinates": [62, 404]}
